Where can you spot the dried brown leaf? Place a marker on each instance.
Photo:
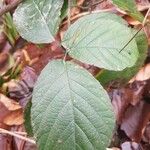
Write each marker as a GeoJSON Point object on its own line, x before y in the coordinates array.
{"type": "Point", "coordinates": [5, 142]}
{"type": "Point", "coordinates": [146, 135]}
{"type": "Point", "coordinates": [130, 146]}
{"type": "Point", "coordinates": [9, 104]}
{"type": "Point", "coordinates": [143, 74]}
{"type": "Point", "coordinates": [122, 98]}
{"type": "Point", "coordinates": [10, 112]}
{"type": "Point", "coordinates": [21, 89]}
{"type": "Point", "coordinates": [14, 118]}
{"type": "Point", "coordinates": [135, 120]}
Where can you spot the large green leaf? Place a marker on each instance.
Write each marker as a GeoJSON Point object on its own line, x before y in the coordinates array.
{"type": "Point", "coordinates": [130, 7]}
{"type": "Point", "coordinates": [70, 110]}
{"type": "Point", "coordinates": [99, 39]}
{"type": "Point", "coordinates": [113, 77]}
{"type": "Point", "coordinates": [38, 20]}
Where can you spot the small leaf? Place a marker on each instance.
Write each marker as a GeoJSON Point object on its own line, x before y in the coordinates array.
{"type": "Point", "coordinates": [70, 110]}
{"type": "Point", "coordinates": [106, 76]}
{"type": "Point", "coordinates": [38, 21]}
{"type": "Point", "coordinates": [130, 7]}
{"type": "Point", "coordinates": [97, 39]}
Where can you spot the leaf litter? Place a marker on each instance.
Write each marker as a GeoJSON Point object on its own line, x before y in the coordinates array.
{"type": "Point", "coordinates": [131, 103]}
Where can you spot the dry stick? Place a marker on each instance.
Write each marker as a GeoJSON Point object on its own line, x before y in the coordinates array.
{"type": "Point", "coordinates": [84, 14]}
{"type": "Point", "coordinates": [9, 7]}
{"type": "Point", "coordinates": [3, 131]}
{"type": "Point", "coordinates": [20, 133]}
{"type": "Point", "coordinates": [68, 13]}
{"type": "Point", "coordinates": [144, 21]}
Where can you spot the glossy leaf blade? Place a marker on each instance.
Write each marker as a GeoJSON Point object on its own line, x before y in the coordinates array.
{"type": "Point", "coordinates": [97, 39]}
{"type": "Point", "coordinates": [70, 110]}
{"type": "Point", "coordinates": [37, 21]}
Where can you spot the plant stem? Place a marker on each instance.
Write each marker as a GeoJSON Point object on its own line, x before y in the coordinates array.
{"type": "Point", "coordinates": [3, 131]}
{"type": "Point", "coordinates": [69, 11]}
{"type": "Point", "coordinates": [84, 14]}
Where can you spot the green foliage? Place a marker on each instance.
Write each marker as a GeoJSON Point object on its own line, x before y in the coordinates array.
{"type": "Point", "coordinates": [27, 118]}
{"type": "Point", "coordinates": [97, 39]}
{"type": "Point", "coordinates": [106, 77]}
{"type": "Point", "coordinates": [70, 110]}
{"type": "Point", "coordinates": [38, 21]}
{"type": "Point", "coordinates": [10, 29]}
{"type": "Point", "coordinates": [130, 7]}
{"type": "Point", "coordinates": [65, 8]}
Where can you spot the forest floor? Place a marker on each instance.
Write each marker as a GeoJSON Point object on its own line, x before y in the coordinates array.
{"type": "Point", "coordinates": [21, 62]}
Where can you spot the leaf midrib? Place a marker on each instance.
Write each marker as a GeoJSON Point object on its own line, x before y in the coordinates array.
{"type": "Point", "coordinates": [43, 18]}
{"type": "Point", "coordinates": [71, 98]}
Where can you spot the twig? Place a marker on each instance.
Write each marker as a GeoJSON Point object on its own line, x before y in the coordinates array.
{"type": "Point", "coordinates": [9, 7]}
{"type": "Point", "coordinates": [3, 131]}
{"type": "Point", "coordinates": [20, 133]}
{"type": "Point", "coordinates": [131, 39]}
{"type": "Point", "coordinates": [69, 11]}
{"type": "Point", "coordinates": [84, 14]}
{"type": "Point", "coordinates": [146, 22]}
{"type": "Point", "coordinates": [68, 21]}
{"type": "Point", "coordinates": [145, 18]}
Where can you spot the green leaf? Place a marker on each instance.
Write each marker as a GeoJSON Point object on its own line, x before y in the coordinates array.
{"type": "Point", "coordinates": [38, 20]}
{"type": "Point", "coordinates": [106, 77]}
{"type": "Point", "coordinates": [130, 7]}
{"type": "Point", "coordinates": [27, 119]}
{"type": "Point", "coordinates": [1, 80]}
{"type": "Point", "coordinates": [10, 29]}
{"type": "Point", "coordinates": [65, 8]}
{"type": "Point", "coordinates": [70, 110]}
{"type": "Point", "coordinates": [97, 39]}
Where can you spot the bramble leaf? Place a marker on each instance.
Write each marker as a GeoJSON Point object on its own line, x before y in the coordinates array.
{"type": "Point", "coordinates": [106, 77]}
{"type": "Point", "coordinates": [37, 21]}
{"type": "Point", "coordinates": [99, 39]}
{"type": "Point", "coordinates": [70, 110]}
